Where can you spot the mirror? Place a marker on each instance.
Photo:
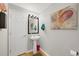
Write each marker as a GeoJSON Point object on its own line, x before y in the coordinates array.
{"type": "Point", "coordinates": [33, 24]}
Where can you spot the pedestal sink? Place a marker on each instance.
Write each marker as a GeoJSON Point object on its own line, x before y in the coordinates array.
{"type": "Point", "coordinates": [35, 38]}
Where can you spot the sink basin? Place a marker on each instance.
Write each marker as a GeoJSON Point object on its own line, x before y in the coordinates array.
{"type": "Point", "coordinates": [35, 37]}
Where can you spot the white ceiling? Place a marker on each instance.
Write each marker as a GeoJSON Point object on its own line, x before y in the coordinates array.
{"type": "Point", "coordinates": [35, 7]}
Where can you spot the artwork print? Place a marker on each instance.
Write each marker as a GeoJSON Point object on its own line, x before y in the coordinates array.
{"type": "Point", "coordinates": [65, 18]}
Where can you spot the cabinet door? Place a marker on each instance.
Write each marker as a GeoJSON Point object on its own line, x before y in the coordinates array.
{"type": "Point", "coordinates": [17, 30]}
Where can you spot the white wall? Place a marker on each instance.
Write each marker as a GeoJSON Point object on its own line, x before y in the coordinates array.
{"type": "Point", "coordinates": [15, 13]}
{"type": "Point", "coordinates": [57, 42]}
{"type": "Point", "coordinates": [3, 42]}
{"type": "Point", "coordinates": [17, 30]}
{"type": "Point", "coordinates": [19, 41]}
{"type": "Point", "coordinates": [4, 39]}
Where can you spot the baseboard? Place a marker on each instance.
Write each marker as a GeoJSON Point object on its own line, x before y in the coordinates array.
{"type": "Point", "coordinates": [43, 52]}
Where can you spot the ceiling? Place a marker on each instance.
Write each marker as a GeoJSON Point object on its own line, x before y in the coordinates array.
{"type": "Point", "coordinates": [35, 7]}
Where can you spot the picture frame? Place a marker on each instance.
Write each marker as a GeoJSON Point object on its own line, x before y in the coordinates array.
{"type": "Point", "coordinates": [33, 24]}
{"type": "Point", "coordinates": [65, 19]}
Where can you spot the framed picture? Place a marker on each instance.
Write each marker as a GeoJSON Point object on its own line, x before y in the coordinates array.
{"type": "Point", "coordinates": [65, 18]}
{"type": "Point", "coordinates": [33, 24]}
